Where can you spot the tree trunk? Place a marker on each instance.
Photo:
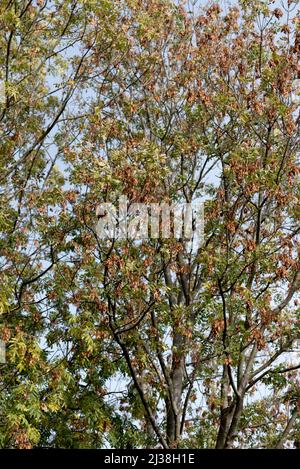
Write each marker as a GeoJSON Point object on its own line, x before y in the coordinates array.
{"type": "Point", "coordinates": [173, 402]}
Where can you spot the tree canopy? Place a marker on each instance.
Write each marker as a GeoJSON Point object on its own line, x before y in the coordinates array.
{"type": "Point", "coordinates": [141, 344]}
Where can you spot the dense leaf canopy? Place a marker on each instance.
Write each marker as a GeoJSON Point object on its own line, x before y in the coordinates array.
{"type": "Point", "coordinates": [135, 344]}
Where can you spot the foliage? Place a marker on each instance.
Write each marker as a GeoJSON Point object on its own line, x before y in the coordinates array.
{"type": "Point", "coordinates": [146, 344]}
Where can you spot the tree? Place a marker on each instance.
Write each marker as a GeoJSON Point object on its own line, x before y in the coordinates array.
{"type": "Point", "coordinates": [108, 337]}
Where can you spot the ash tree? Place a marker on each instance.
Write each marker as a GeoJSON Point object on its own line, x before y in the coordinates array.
{"type": "Point", "coordinates": [149, 343]}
